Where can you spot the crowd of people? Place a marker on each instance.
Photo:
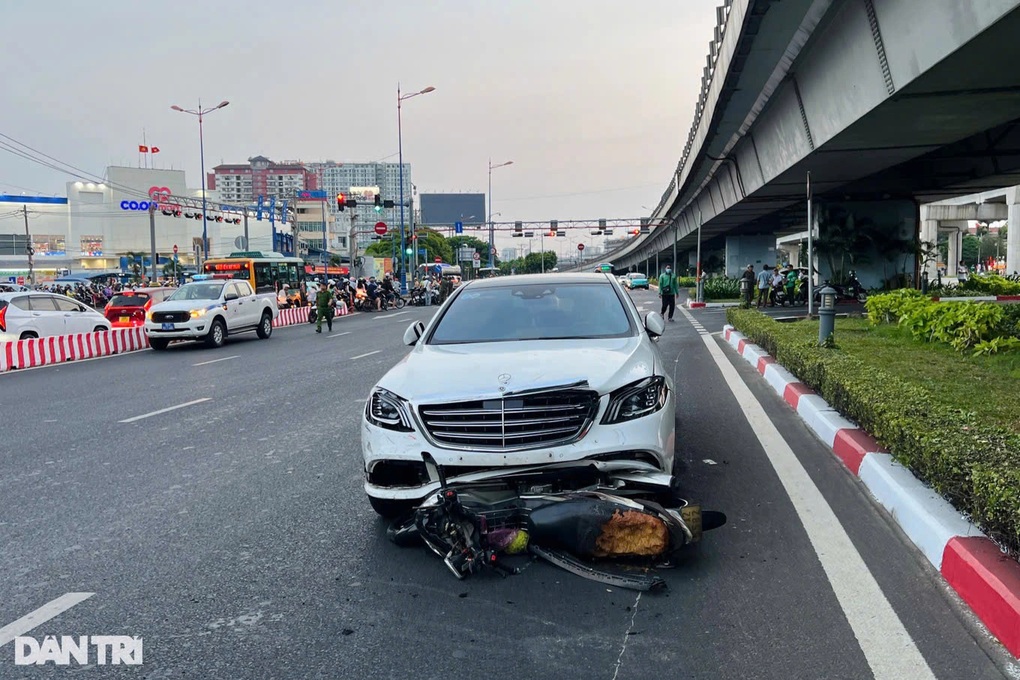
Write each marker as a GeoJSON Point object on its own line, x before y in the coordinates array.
{"type": "Point", "coordinates": [775, 285]}
{"type": "Point", "coordinates": [97, 293]}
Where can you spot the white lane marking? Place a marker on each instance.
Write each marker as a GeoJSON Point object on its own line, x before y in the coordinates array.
{"type": "Point", "coordinates": [337, 335]}
{"type": "Point", "coordinates": [887, 646]}
{"type": "Point", "coordinates": [41, 615]}
{"type": "Point", "coordinates": [709, 461]}
{"type": "Point", "coordinates": [213, 361]}
{"type": "Point", "coordinates": [389, 316]}
{"type": "Point", "coordinates": [366, 354]}
{"type": "Point", "coordinates": [165, 410]}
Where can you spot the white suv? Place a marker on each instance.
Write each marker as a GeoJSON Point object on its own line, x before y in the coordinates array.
{"type": "Point", "coordinates": [210, 311]}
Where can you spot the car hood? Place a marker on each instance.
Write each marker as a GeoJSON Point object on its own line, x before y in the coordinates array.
{"type": "Point", "coordinates": [184, 305]}
{"type": "Point", "coordinates": [436, 373]}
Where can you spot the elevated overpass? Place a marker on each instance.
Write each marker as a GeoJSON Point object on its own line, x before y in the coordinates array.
{"type": "Point", "coordinates": [888, 104]}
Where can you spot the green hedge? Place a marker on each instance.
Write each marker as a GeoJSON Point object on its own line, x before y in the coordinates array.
{"type": "Point", "coordinates": [974, 465]}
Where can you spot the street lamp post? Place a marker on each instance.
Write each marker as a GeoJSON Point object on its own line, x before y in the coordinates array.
{"type": "Point", "coordinates": [201, 150]}
{"type": "Point", "coordinates": [400, 153]}
{"type": "Point", "coordinates": [491, 244]}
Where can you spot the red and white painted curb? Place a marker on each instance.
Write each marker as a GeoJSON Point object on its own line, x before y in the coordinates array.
{"type": "Point", "coordinates": [58, 349]}
{"type": "Point", "coordinates": [980, 298]}
{"type": "Point", "coordinates": [987, 580]}
{"type": "Point", "coordinates": [295, 315]}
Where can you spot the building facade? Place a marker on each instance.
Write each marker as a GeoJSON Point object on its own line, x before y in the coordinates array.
{"type": "Point", "coordinates": [337, 178]}
{"type": "Point", "coordinates": [260, 177]}
{"type": "Point", "coordinates": [98, 225]}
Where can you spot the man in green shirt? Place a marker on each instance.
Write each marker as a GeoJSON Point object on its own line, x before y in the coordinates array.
{"type": "Point", "coordinates": [323, 308]}
{"type": "Point", "coordinates": [668, 290]}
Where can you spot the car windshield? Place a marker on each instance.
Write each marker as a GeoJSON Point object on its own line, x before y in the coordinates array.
{"type": "Point", "coordinates": [136, 300]}
{"type": "Point", "coordinates": [533, 312]}
{"type": "Point", "coordinates": [207, 290]}
{"type": "Point", "coordinates": [636, 276]}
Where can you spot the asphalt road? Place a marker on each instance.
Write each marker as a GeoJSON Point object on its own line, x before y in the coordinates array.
{"type": "Point", "coordinates": [232, 534]}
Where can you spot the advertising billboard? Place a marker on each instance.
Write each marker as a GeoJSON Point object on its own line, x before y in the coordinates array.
{"type": "Point", "coordinates": [448, 209]}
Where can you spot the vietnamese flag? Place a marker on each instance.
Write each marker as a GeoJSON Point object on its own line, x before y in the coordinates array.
{"type": "Point", "coordinates": [154, 149]}
{"type": "Point", "coordinates": [143, 149]}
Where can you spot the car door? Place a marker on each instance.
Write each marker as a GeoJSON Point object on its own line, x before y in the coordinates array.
{"type": "Point", "coordinates": [45, 315]}
{"type": "Point", "coordinates": [248, 308]}
{"type": "Point", "coordinates": [235, 306]}
{"type": "Point", "coordinates": [76, 319]}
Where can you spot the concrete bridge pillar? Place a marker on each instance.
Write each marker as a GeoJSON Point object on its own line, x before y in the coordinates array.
{"type": "Point", "coordinates": [930, 239]}
{"type": "Point", "coordinates": [1013, 236]}
{"type": "Point", "coordinates": [955, 247]}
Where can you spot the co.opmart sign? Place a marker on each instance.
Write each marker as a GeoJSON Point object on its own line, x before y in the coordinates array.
{"type": "Point", "coordinates": [158, 197]}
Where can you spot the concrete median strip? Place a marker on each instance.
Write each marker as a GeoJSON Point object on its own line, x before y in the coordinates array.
{"type": "Point", "coordinates": [984, 578]}
{"type": "Point", "coordinates": [59, 349]}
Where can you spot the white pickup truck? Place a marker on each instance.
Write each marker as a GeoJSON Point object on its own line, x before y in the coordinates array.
{"type": "Point", "coordinates": [210, 311]}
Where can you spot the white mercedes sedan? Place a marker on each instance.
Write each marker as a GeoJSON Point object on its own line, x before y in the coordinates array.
{"type": "Point", "coordinates": [516, 372]}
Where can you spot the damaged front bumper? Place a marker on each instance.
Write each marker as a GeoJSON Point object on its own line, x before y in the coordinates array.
{"type": "Point", "coordinates": [571, 515]}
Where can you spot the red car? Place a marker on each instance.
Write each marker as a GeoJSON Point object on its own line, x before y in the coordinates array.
{"type": "Point", "coordinates": [127, 308]}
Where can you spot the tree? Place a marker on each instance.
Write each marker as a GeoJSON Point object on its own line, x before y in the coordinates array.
{"type": "Point", "coordinates": [969, 251]}
{"type": "Point", "coordinates": [135, 261]}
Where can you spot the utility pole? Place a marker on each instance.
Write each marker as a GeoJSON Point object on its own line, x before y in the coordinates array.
{"type": "Point", "coordinates": [247, 245]}
{"type": "Point", "coordinates": [352, 245]}
{"type": "Point", "coordinates": [29, 249]}
{"type": "Point", "coordinates": [152, 240]}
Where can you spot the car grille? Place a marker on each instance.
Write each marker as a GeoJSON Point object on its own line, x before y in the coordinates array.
{"type": "Point", "coordinates": [513, 422]}
{"type": "Point", "coordinates": [170, 317]}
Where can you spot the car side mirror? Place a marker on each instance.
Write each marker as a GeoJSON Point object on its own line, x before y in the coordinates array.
{"type": "Point", "coordinates": [414, 333]}
{"type": "Point", "coordinates": [655, 324]}
{"type": "Point", "coordinates": [230, 296]}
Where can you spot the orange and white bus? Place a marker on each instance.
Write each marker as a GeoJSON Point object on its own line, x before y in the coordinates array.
{"type": "Point", "coordinates": [266, 272]}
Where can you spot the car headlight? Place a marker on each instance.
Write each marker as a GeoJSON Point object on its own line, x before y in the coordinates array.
{"type": "Point", "coordinates": [636, 400]}
{"type": "Point", "coordinates": [385, 409]}
{"type": "Point", "coordinates": [148, 315]}
{"type": "Point", "coordinates": [196, 313]}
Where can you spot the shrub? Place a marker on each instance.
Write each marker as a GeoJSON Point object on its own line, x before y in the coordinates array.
{"type": "Point", "coordinates": [721, 288]}
{"type": "Point", "coordinates": [687, 281]}
{"type": "Point", "coordinates": [961, 325]}
{"type": "Point", "coordinates": [990, 284]}
{"type": "Point", "coordinates": [973, 464]}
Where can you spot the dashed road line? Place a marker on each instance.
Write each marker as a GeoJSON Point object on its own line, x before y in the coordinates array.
{"type": "Point", "coordinates": [213, 361]}
{"type": "Point", "coordinates": [41, 615]}
{"type": "Point", "coordinates": [165, 410]}
{"type": "Point", "coordinates": [366, 354]}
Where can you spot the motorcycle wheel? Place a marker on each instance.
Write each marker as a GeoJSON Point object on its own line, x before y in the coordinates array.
{"type": "Point", "coordinates": [400, 302]}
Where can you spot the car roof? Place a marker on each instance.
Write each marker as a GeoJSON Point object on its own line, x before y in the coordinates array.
{"type": "Point", "coordinates": [539, 279]}
{"type": "Point", "coordinates": [142, 290]}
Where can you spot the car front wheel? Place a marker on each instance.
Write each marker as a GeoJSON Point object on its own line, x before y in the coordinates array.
{"type": "Point", "coordinates": [217, 334]}
{"type": "Point", "coordinates": [158, 344]}
{"type": "Point", "coordinates": [265, 328]}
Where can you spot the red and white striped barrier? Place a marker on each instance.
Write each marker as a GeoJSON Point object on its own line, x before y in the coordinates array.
{"type": "Point", "coordinates": [987, 580]}
{"type": "Point", "coordinates": [295, 315]}
{"type": "Point", "coordinates": [56, 349]}
{"type": "Point", "coordinates": [980, 298]}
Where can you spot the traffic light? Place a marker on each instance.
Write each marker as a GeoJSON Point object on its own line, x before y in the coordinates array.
{"type": "Point", "coordinates": [387, 204]}
{"type": "Point", "coordinates": [341, 201]}
{"type": "Point", "coordinates": [378, 203]}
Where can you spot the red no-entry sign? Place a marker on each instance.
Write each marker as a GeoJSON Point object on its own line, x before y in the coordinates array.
{"type": "Point", "coordinates": [380, 228]}
{"type": "Point", "coordinates": [580, 246]}
{"type": "Point", "coordinates": [175, 249]}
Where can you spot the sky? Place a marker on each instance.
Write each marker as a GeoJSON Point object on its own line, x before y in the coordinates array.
{"type": "Point", "coordinates": [592, 100]}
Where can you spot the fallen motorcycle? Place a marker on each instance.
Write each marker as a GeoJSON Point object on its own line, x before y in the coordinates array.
{"type": "Point", "coordinates": [577, 516]}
